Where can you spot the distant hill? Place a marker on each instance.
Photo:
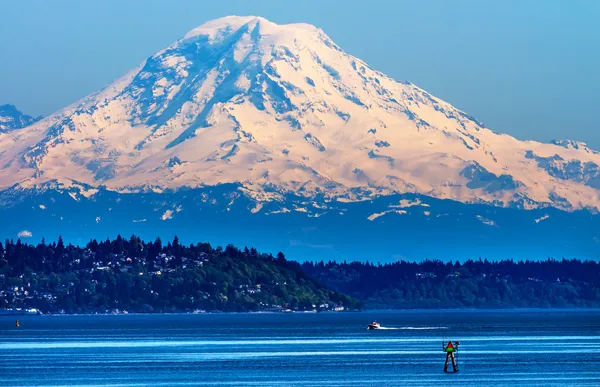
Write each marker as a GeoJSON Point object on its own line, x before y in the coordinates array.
{"type": "Point", "coordinates": [472, 284]}
{"type": "Point", "coordinates": [135, 276]}
{"type": "Point", "coordinates": [130, 275]}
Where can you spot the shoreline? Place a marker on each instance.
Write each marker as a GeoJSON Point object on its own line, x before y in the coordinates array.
{"type": "Point", "coordinates": [366, 311]}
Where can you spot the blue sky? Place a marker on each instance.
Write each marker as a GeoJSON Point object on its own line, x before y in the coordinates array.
{"type": "Point", "coordinates": [530, 68]}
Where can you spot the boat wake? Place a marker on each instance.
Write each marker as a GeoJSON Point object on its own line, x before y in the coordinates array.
{"type": "Point", "coordinates": [412, 328]}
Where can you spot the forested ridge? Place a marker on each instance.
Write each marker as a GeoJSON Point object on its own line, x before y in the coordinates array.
{"type": "Point", "coordinates": [471, 284]}
{"type": "Point", "coordinates": [135, 276]}
{"type": "Point", "coordinates": [131, 275]}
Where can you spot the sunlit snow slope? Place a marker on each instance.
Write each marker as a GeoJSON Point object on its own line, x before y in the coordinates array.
{"type": "Point", "coordinates": [279, 109]}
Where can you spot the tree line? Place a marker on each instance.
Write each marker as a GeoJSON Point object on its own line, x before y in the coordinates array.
{"type": "Point", "coordinates": [129, 274]}
{"type": "Point", "coordinates": [471, 284]}
{"type": "Point", "coordinates": [135, 275]}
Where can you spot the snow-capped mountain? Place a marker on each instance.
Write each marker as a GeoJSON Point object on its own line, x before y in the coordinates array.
{"type": "Point", "coordinates": [11, 119]}
{"type": "Point", "coordinates": [282, 108]}
{"type": "Point", "coordinates": [275, 126]}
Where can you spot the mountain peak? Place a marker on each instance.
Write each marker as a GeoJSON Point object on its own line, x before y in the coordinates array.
{"type": "Point", "coordinates": [282, 109]}
{"type": "Point", "coordinates": [217, 29]}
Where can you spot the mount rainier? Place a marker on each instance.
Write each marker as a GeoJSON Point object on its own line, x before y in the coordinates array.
{"type": "Point", "coordinates": [244, 128]}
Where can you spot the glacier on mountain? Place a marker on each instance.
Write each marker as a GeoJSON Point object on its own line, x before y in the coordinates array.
{"type": "Point", "coordinates": [282, 109]}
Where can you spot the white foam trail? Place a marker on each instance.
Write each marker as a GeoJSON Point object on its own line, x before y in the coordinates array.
{"type": "Point", "coordinates": [412, 328]}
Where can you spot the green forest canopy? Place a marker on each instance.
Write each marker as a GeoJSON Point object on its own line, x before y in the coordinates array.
{"type": "Point", "coordinates": [134, 275]}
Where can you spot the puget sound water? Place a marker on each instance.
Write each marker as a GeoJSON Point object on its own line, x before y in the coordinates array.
{"type": "Point", "coordinates": [509, 348]}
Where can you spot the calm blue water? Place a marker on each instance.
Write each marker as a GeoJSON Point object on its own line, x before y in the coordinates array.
{"type": "Point", "coordinates": [509, 348]}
